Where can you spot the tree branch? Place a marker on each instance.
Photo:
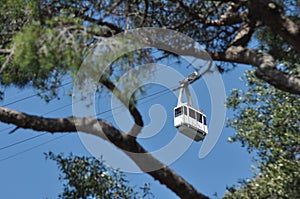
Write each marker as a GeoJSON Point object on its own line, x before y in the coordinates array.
{"type": "Point", "coordinates": [272, 15]}
{"type": "Point", "coordinates": [8, 59]}
{"type": "Point", "coordinates": [266, 67]}
{"type": "Point", "coordinates": [139, 124]}
{"type": "Point", "coordinates": [5, 51]}
{"type": "Point", "coordinates": [107, 131]}
{"type": "Point", "coordinates": [80, 13]}
{"type": "Point", "coordinates": [230, 17]}
{"type": "Point", "coordinates": [243, 35]}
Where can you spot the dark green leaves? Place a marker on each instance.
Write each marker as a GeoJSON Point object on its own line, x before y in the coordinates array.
{"type": "Point", "coordinates": [267, 122]}
{"type": "Point", "coordinates": [87, 177]}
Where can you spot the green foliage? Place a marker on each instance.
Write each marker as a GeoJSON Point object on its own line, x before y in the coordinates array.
{"type": "Point", "coordinates": [43, 49]}
{"type": "Point", "coordinates": [274, 44]}
{"type": "Point", "coordinates": [40, 59]}
{"type": "Point", "coordinates": [281, 51]}
{"type": "Point", "coordinates": [87, 177]}
{"type": "Point", "coordinates": [267, 122]}
{"type": "Point", "coordinates": [47, 45]}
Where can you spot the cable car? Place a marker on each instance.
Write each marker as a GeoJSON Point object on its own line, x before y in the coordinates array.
{"type": "Point", "coordinates": [188, 120]}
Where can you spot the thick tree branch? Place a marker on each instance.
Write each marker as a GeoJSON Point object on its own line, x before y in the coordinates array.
{"type": "Point", "coordinates": [107, 131]}
{"type": "Point", "coordinates": [266, 68]}
{"type": "Point", "coordinates": [272, 15]}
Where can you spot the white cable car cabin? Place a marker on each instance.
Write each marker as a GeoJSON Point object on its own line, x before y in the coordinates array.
{"type": "Point", "coordinates": [188, 120]}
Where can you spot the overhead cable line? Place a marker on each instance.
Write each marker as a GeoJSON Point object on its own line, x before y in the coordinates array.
{"type": "Point", "coordinates": [19, 142]}
{"type": "Point", "coordinates": [31, 96]}
{"type": "Point", "coordinates": [31, 148]}
{"type": "Point", "coordinates": [34, 137]}
{"type": "Point", "coordinates": [101, 113]}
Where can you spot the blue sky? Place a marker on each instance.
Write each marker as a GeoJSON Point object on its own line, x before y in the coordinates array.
{"type": "Point", "coordinates": [29, 175]}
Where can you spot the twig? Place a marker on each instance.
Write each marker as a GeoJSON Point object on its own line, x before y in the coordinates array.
{"type": "Point", "coordinates": [8, 58]}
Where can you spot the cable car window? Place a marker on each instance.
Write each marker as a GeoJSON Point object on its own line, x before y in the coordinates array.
{"type": "Point", "coordinates": [185, 110]}
{"type": "Point", "coordinates": [204, 120]}
{"type": "Point", "coordinates": [192, 113]}
{"type": "Point", "coordinates": [178, 111]}
{"type": "Point", "coordinates": [199, 117]}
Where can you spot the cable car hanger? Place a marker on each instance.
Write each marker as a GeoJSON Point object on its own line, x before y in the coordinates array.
{"type": "Point", "coordinates": [194, 76]}
{"type": "Point", "coordinates": [187, 119]}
